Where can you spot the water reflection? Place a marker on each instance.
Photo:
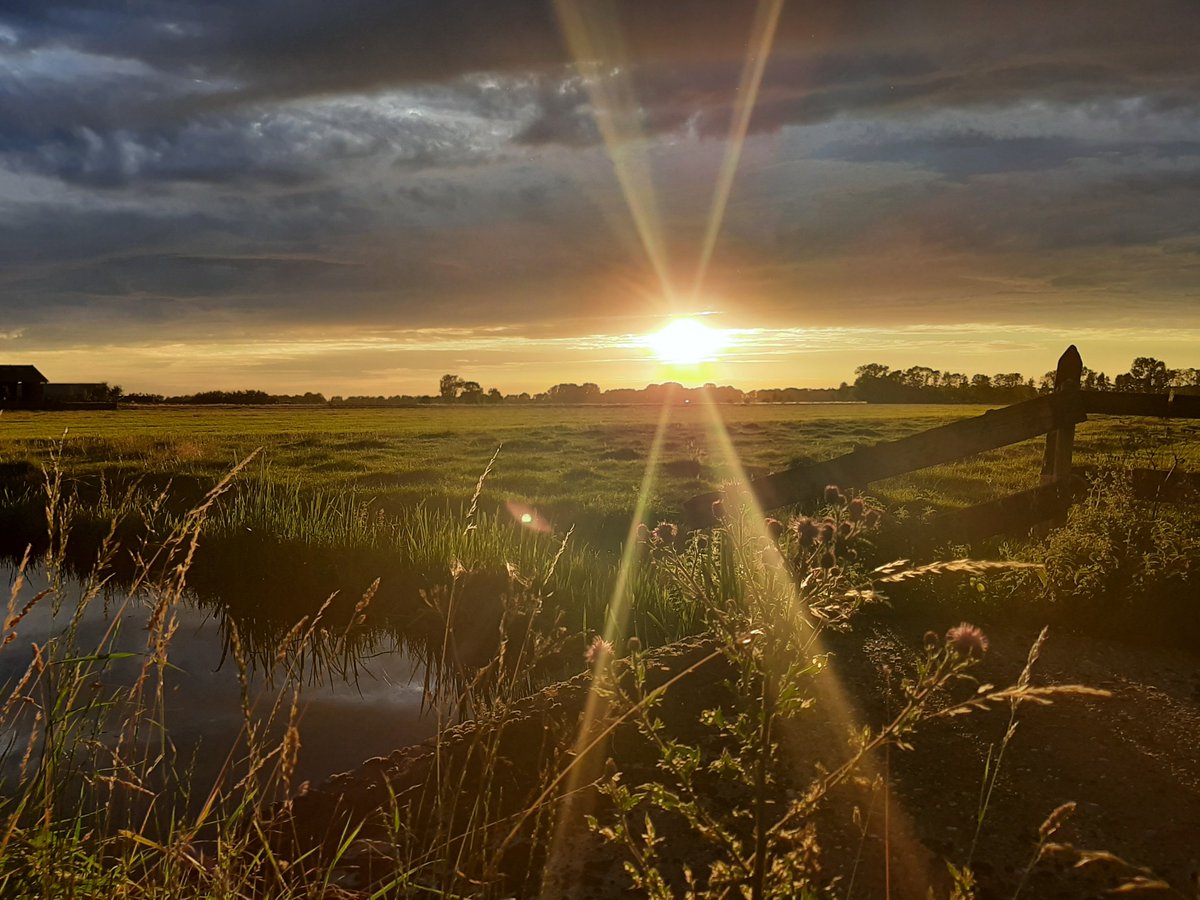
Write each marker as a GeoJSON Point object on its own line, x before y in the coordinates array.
{"type": "Point", "coordinates": [362, 693]}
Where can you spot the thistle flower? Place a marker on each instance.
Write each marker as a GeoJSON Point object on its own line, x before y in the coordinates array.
{"type": "Point", "coordinates": [855, 509]}
{"type": "Point", "coordinates": [598, 651]}
{"type": "Point", "coordinates": [774, 529]}
{"type": "Point", "coordinates": [806, 530]}
{"type": "Point", "coordinates": [845, 529]}
{"type": "Point", "coordinates": [826, 532]}
{"type": "Point", "coordinates": [967, 640]}
{"type": "Point", "coordinates": [833, 494]}
{"type": "Point", "coordinates": [666, 532]}
{"type": "Point", "coordinates": [718, 509]}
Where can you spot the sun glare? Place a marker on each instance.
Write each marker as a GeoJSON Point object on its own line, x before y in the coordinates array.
{"type": "Point", "coordinates": [687, 342]}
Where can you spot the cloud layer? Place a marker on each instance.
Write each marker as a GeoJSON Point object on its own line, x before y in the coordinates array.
{"type": "Point", "coordinates": [175, 172]}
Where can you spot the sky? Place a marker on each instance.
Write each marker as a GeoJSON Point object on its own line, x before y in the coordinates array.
{"type": "Point", "coordinates": [357, 197]}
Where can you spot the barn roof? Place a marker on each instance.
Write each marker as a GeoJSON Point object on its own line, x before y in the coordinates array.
{"type": "Point", "coordinates": [24, 374]}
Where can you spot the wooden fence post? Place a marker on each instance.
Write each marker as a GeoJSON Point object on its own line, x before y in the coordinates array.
{"type": "Point", "coordinates": [1056, 461]}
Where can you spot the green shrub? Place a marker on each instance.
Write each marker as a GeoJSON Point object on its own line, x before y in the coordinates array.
{"type": "Point", "coordinates": [1121, 560]}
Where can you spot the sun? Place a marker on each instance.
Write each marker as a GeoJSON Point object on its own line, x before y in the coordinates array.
{"type": "Point", "coordinates": [687, 342]}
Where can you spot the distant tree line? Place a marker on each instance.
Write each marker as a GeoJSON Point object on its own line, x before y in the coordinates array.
{"type": "Point", "coordinates": [877, 383]}
{"type": "Point", "coordinates": [873, 383]}
{"type": "Point", "coordinates": [454, 389]}
{"type": "Point", "coordinates": [239, 398]}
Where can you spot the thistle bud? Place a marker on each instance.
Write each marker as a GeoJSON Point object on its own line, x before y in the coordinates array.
{"type": "Point", "coordinates": [666, 532]}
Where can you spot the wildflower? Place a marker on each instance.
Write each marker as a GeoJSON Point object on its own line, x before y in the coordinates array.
{"type": "Point", "coordinates": [598, 651]}
{"type": "Point", "coordinates": [967, 640]}
{"type": "Point", "coordinates": [718, 509]}
{"type": "Point", "coordinates": [855, 509]}
{"type": "Point", "coordinates": [845, 529]}
{"type": "Point", "coordinates": [774, 529]}
{"type": "Point", "coordinates": [643, 533]}
{"type": "Point", "coordinates": [806, 530]}
{"type": "Point", "coordinates": [634, 645]}
{"type": "Point", "coordinates": [826, 532]}
{"type": "Point", "coordinates": [833, 494]}
{"type": "Point", "coordinates": [666, 532]}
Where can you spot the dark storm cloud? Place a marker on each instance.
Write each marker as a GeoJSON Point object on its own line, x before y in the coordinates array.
{"type": "Point", "coordinates": [165, 90]}
{"type": "Point", "coordinates": [237, 165]}
{"type": "Point", "coordinates": [838, 56]}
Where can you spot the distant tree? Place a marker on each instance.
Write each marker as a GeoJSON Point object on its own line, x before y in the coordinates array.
{"type": "Point", "coordinates": [472, 392]}
{"type": "Point", "coordinates": [871, 371]}
{"type": "Point", "coordinates": [574, 393]}
{"type": "Point", "coordinates": [449, 387]}
{"type": "Point", "coordinates": [494, 396]}
{"type": "Point", "coordinates": [1186, 378]}
{"type": "Point", "coordinates": [1149, 375]}
{"type": "Point", "coordinates": [920, 377]}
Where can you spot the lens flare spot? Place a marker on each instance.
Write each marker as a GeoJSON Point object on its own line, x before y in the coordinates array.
{"type": "Point", "coordinates": [528, 517]}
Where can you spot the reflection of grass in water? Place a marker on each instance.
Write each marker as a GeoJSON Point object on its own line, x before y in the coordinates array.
{"type": "Point", "coordinates": [104, 802]}
{"type": "Point", "coordinates": [271, 552]}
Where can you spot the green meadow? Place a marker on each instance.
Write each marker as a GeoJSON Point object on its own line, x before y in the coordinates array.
{"type": "Point", "coordinates": [581, 466]}
{"type": "Point", "coordinates": [335, 498]}
{"type": "Point", "coordinates": [270, 560]}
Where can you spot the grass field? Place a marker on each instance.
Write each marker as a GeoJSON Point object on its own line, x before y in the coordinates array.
{"type": "Point", "coordinates": [493, 607]}
{"type": "Point", "coordinates": [336, 498]}
{"type": "Point", "coordinates": [581, 466]}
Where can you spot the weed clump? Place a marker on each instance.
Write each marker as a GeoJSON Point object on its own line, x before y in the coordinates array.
{"type": "Point", "coordinates": [1125, 561]}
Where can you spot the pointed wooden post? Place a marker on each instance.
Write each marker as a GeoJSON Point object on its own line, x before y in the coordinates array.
{"type": "Point", "coordinates": [1056, 461]}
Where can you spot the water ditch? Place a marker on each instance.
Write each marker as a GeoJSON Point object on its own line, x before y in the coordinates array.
{"type": "Point", "coordinates": [359, 698]}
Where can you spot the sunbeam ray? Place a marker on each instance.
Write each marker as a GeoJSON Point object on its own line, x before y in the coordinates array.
{"type": "Point", "coordinates": [594, 38]}
{"type": "Point", "coordinates": [903, 848]}
{"type": "Point", "coordinates": [571, 810]}
{"type": "Point", "coordinates": [762, 38]}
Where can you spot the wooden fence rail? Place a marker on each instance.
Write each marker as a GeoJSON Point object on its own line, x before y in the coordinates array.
{"type": "Point", "coordinates": [1054, 415]}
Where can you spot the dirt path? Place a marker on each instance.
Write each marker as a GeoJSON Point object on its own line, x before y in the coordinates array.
{"type": "Point", "coordinates": [1130, 763]}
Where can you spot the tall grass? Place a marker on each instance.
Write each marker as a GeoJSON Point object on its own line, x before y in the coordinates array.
{"type": "Point", "coordinates": [104, 804]}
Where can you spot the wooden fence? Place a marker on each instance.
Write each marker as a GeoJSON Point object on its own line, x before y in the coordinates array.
{"type": "Point", "coordinates": [1054, 415]}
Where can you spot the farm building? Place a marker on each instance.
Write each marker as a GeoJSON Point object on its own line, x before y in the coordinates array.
{"type": "Point", "coordinates": [22, 385]}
